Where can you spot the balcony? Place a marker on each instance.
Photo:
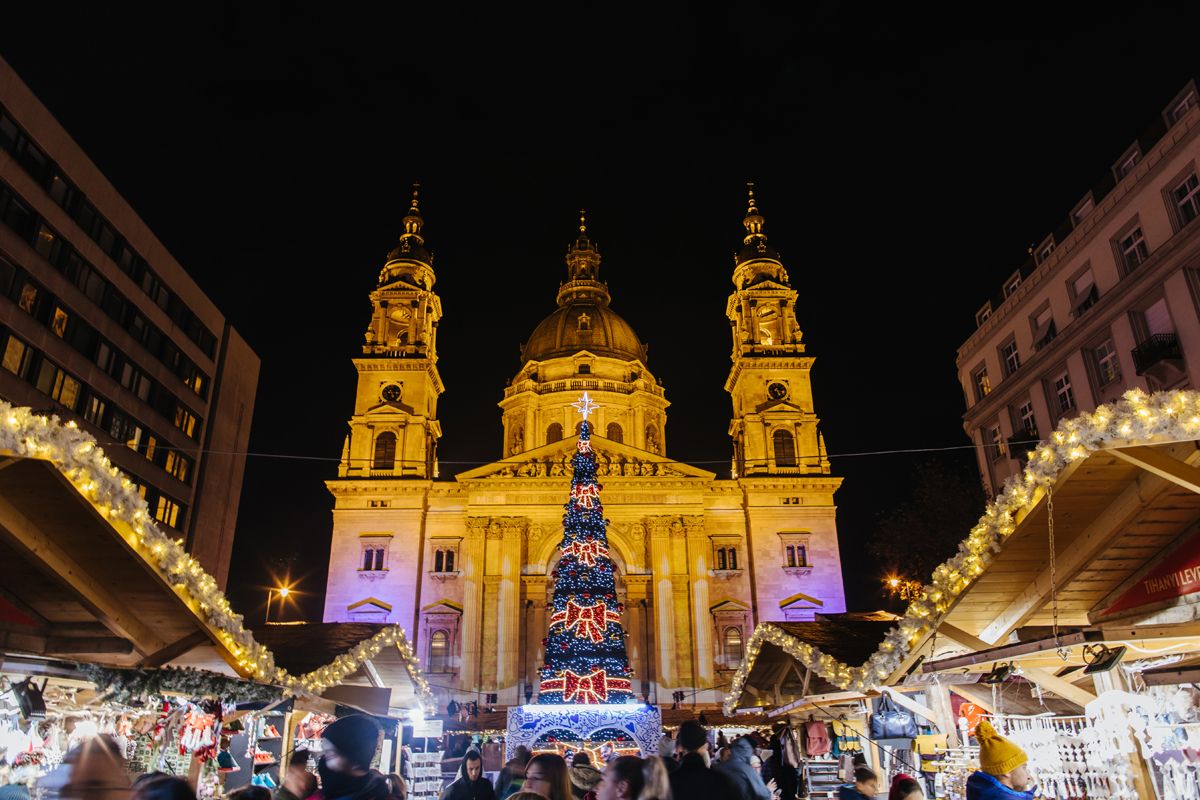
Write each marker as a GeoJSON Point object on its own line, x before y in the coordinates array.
{"type": "Point", "coordinates": [1159, 356]}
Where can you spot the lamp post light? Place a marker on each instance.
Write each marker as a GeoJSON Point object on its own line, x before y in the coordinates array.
{"type": "Point", "coordinates": [283, 591]}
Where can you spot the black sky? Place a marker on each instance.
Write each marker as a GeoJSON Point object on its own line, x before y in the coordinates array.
{"type": "Point", "coordinates": [903, 169]}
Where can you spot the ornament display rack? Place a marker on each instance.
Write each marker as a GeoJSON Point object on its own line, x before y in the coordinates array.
{"type": "Point", "coordinates": [821, 777]}
{"type": "Point", "coordinates": [426, 776]}
{"type": "Point", "coordinates": [1070, 757]}
{"type": "Point", "coordinates": [242, 740]}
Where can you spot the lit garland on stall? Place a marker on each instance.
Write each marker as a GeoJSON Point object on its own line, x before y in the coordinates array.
{"type": "Point", "coordinates": [81, 460]}
{"type": "Point", "coordinates": [1137, 418]}
{"type": "Point", "coordinates": [586, 660]}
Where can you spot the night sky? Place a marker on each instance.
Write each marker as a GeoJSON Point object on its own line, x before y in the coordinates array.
{"type": "Point", "coordinates": [902, 170]}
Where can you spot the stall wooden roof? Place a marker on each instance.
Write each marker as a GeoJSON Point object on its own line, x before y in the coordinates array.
{"type": "Point", "coordinates": [72, 587]}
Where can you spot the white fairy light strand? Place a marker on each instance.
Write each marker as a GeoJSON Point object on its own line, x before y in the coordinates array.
{"type": "Point", "coordinates": [1137, 418]}
{"type": "Point", "coordinates": [80, 459]}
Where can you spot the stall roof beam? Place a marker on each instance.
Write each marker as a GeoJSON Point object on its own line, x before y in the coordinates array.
{"type": "Point", "coordinates": [1083, 550]}
{"type": "Point", "coordinates": [1156, 462]}
{"type": "Point", "coordinates": [94, 645]}
{"type": "Point", "coordinates": [1044, 678]}
{"type": "Point", "coordinates": [175, 649]}
{"type": "Point", "coordinates": [117, 617]}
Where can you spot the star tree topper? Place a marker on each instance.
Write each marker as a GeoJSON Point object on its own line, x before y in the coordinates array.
{"type": "Point", "coordinates": [585, 405]}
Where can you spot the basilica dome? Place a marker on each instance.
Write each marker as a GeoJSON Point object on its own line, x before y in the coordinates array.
{"type": "Point", "coordinates": [583, 324]}
{"type": "Point", "coordinates": [583, 320]}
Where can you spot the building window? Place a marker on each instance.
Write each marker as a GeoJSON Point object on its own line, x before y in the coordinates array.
{"type": "Point", "coordinates": [93, 410]}
{"type": "Point", "coordinates": [58, 323]}
{"type": "Point", "coordinates": [443, 560]}
{"type": "Point", "coordinates": [178, 465]}
{"type": "Point", "coordinates": [982, 314]}
{"type": "Point", "coordinates": [17, 357]}
{"type": "Point", "coordinates": [727, 558]}
{"type": "Point", "coordinates": [385, 451]}
{"type": "Point", "coordinates": [373, 558]}
{"type": "Point", "coordinates": [1045, 252]}
{"type": "Point", "coordinates": [983, 386]}
{"type": "Point", "coordinates": [785, 449]}
{"type": "Point", "coordinates": [1108, 368]}
{"type": "Point", "coordinates": [1133, 249]}
{"type": "Point", "coordinates": [1180, 109]}
{"type": "Point", "coordinates": [613, 433]}
{"type": "Point", "coordinates": [796, 555]}
{"type": "Point", "coordinates": [1044, 329]}
{"type": "Point", "coordinates": [1026, 420]}
{"type": "Point", "coordinates": [439, 651]}
{"type": "Point", "coordinates": [1085, 292]}
{"type": "Point", "coordinates": [184, 420]}
{"type": "Point", "coordinates": [1128, 163]}
{"type": "Point", "coordinates": [28, 299]}
{"type": "Point", "coordinates": [995, 445]}
{"type": "Point", "coordinates": [1009, 357]}
{"type": "Point", "coordinates": [1187, 199]}
{"type": "Point", "coordinates": [1012, 284]}
{"type": "Point", "coordinates": [554, 433]}
{"type": "Point", "coordinates": [585, 369]}
{"type": "Point", "coordinates": [733, 647]}
{"type": "Point", "coordinates": [1063, 394]}
{"type": "Point", "coordinates": [167, 511]}
{"type": "Point", "coordinates": [1158, 319]}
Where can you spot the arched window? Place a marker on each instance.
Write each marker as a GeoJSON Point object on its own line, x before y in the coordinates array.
{"type": "Point", "coordinates": [439, 651]}
{"type": "Point", "coordinates": [613, 432]}
{"type": "Point", "coordinates": [385, 451]}
{"type": "Point", "coordinates": [554, 433]}
{"type": "Point", "coordinates": [733, 647]}
{"type": "Point", "coordinates": [785, 449]}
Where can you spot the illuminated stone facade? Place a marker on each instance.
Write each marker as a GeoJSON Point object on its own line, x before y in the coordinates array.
{"type": "Point", "coordinates": [463, 561]}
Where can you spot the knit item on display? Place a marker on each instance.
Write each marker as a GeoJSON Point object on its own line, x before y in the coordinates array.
{"type": "Point", "coordinates": [997, 755]}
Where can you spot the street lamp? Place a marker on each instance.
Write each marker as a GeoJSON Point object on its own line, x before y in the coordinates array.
{"type": "Point", "coordinates": [283, 591]}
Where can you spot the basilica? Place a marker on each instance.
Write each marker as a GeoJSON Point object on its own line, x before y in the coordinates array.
{"type": "Point", "coordinates": [463, 561]}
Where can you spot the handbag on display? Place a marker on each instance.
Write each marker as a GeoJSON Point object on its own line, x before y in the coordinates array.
{"type": "Point", "coordinates": [892, 722]}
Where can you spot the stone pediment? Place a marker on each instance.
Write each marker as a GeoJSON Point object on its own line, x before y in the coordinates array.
{"type": "Point", "coordinates": [613, 461]}
{"type": "Point", "coordinates": [780, 406]}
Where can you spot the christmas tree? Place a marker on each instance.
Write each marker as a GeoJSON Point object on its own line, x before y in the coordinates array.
{"type": "Point", "coordinates": [585, 649]}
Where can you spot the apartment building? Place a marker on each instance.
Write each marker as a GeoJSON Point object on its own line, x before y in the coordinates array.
{"type": "Point", "coordinates": [1108, 301]}
{"type": "Point", "coordinates": [100, 324]}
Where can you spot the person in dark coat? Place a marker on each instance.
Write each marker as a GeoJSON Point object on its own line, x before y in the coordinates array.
{"type": "Point", "coordinates": [470, 784]}
{"type": "Point", "coordinates": [737, 766]}
{"type": "Point", "coordinates": [512, 776]}
{"type": "Point", "coordinates": [694, 778]}
{"type": "Point", "coordinates": [348, 746]}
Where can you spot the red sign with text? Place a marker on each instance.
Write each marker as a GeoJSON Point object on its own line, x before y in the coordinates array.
{"type": "Point", "coordinates": [1177, 575]}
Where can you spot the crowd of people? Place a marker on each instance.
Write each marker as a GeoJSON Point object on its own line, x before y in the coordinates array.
{"type": "Point", "coordinates": [683, 769]}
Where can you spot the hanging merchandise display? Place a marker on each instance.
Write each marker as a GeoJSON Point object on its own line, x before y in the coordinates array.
{"type": "Point", "coordinates": [816, 738]}
{"type": "Point", "coordinates": [892, 722]}
{"type": "Point", "coordinates": [847, 735]}
{"type": "Point", "coordinates": [1071, 757]}
{"type": "Point", "coordinates": [1163, 724]}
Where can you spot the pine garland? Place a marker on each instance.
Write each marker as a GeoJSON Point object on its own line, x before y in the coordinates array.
{"type": "Point", "coordinates": [132, 685]}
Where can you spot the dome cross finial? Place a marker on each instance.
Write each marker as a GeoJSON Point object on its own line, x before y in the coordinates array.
{"type": "Point", "coordinates": [753, 208]}
{"type": "Point", "coordinates": [754, 219]}
{"type": "Point", "coordinates": [415, 208]}
{"type": "Point", "coordinates": [582, 222]}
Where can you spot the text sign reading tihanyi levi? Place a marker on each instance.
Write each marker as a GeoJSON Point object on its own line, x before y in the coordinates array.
{"type": "Point", "coordinates": [1177, 575]}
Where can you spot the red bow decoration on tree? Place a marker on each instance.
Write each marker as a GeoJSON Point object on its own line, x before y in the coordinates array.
{"type": "Point", "coordinates": [585, 495]}
{"type": "Point", "coordinates": [593, 688]}
{"type": "Point", "coordinates": [587, 553]}
{"type": "Point", "coordinates": [587, 621]}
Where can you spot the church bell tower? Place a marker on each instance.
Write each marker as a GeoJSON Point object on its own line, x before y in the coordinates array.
{"type": "Point", "coordinates": [394, 430]}
{"type": "Point", "coordinates": [774, 427]}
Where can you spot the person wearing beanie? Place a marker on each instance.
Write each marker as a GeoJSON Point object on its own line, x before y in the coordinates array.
{"type": "Point", "coordinates": [348, 746]}
{"type": "Point", "coordinates": [905, 787]}
{"type": "Point", "coordinates": [1003, 773]}
{"type": "Point", "coordinates": [694, 778]}
{"type": "Point", "coordinates": [470, 783]}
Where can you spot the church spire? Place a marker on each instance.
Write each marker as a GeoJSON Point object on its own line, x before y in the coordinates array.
{"type": "Point", "coordinates": [754, 220]}
{"type": "Point", "coordinates": [757, 260]}
{"type": "Point", "coordinates": [583, 269]}
{"type": "Point", "coordinates": [410, 261]}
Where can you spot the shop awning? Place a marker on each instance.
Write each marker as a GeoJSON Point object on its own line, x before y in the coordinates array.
{"type": "Point", "coordinates": [1124, 486]}
{"type": "Point", "coordinates": [72, 587]}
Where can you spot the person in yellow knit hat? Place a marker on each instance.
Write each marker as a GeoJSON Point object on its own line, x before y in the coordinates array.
{"type": "Point", "coordinates": [1003, 773]}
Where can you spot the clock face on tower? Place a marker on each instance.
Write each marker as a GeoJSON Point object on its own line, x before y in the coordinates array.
{"type": "Point", "coordinates": [391, 393]}
{"type": "Point", "coordinates": [777, 390]}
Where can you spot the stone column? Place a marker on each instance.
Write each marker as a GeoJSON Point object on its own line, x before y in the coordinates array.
{"type": "Point", "coordinates": [698, 548]}
{"type": "Point", "coordinates": [530, 421]}
{"type": "Point", "coordinates": [508, 639]}
{"type": "Point", "coordinates": [663, 593]}
{"type": "Point", "coordinates": [639, 428]}
{"type": "Point", "coordinates": [472, 575]}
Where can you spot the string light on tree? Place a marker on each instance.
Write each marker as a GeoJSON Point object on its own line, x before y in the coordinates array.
{"type": "Point", "coordinates": [586, 660]}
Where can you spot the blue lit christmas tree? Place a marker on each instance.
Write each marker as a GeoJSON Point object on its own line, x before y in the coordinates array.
{"type": "Point", "coordinates": [585, 649]}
